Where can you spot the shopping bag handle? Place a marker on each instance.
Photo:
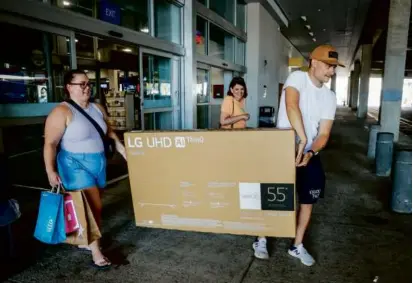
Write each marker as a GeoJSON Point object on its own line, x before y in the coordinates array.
{"type": "Point", "coordinates": [59, 189]}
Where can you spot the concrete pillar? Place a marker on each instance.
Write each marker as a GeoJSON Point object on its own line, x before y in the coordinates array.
{"type": "Point", "coordinates": [188, 74]}
{"type": "Point", "coordinates": [355, 85]}
{"type": "Point", "coordinates": [364, 81]}
{"type": "Point", "coordinates": [333, 83]}
{"type": "Point", "coordinates": [349, 88]}
{"type": "Point", "coordinates": [394, 66]}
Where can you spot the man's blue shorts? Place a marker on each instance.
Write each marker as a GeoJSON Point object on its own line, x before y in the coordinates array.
{"type": "Point", "coordinates": [81, 170]}
{"type": "Point", "coordinates": [310, 181]}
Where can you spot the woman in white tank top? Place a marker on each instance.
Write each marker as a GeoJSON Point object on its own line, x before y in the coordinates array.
{"type": "Point", "coordinates": [81, 161]}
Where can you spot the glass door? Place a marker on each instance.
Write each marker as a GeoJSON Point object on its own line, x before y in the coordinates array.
{"type": "Point", "coordinates": [160, 89]}
{"type": "Point", "coordinates": [212, 86]}
{"type": "Point", "coordinates": [202, 94]}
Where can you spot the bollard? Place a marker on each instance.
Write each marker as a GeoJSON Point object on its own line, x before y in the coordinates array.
{"type": "Point", "coordinates": [401, 200]}
{"type": "Point", "coordinates": [371, 152]}
{"type": "Point", "coordinates": [384, 154]}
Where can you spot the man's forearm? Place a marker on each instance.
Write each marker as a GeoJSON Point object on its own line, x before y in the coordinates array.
{"type": "Point", "coordinates": [319, 143]}
{"type": "Point", "coordinates": [296, 121]}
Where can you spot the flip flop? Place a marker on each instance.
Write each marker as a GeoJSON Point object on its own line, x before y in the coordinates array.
{"type": "Point", "coordinates": [106, 264]}
{"type": "Point", "coordinates": [84, 248]}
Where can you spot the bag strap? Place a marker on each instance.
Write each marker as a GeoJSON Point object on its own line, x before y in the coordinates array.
{"type": "Point", "coordinates": [91, 120]}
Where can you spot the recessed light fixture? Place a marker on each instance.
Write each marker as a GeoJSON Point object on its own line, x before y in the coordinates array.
{"type": "Point", "coordinates": [308, 27]}
{"type": "Point", "coordinates": [311, 33]}
{"type": "Point", "coordinates": [319, 10]}
{"type": "Point", "coordinates": [66, 3]}
{"type": "Point", "coordinates": [324, 29]}
{"type": "Point", "coordinates": [304, 18]}
{"type": "Point", "coordinates": [127, 50]}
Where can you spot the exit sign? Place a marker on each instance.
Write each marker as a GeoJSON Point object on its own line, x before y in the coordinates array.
{"type": "Point", "coordinates": [109, 12]}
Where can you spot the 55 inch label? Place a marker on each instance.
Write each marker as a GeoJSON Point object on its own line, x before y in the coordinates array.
{"type": "Point", "coordinates": [277, 197]}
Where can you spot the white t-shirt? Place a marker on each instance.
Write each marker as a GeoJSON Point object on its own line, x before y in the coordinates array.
{"type": "Point", "coordinates": [316, 104]}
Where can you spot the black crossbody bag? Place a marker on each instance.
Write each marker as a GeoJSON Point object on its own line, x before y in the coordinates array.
{"type": "Point", "coordinates": [108, 143]}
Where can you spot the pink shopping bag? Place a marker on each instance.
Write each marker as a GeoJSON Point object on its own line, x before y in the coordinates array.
{"type": "Point", "coordinates": [71, 221]}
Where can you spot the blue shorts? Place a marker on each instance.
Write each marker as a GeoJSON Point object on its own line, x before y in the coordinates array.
{"type": "Point", "coordinates": [81, 170]}
{"type": "Point", "coordinates": [310, 181]}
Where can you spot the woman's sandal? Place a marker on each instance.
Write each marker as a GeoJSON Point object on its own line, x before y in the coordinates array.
{"type": "Point", "coordinates": [102, 264]}
{"type": "Point", "coordinates": [85, 248]}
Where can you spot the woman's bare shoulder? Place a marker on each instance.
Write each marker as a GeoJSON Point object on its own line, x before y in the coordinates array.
{"type": "Point", "coordinates": [61, 109]}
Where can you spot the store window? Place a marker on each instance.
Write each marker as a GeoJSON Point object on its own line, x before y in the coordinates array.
{"type": "Point", "coordinates": [158, 121]}
{"type": "Point", "coordinates": [201, 36]}
{"type": "Point", "coordinates": [240, 22]}
{"type": "Point", "coordinates": [113, 71]}
{"type": "Point", "coordinates": [167, 21]}
{"type": "Point", "coordinates": [127, 13]}
{"type": "Point", "coordinates": [221, 44]}
{"type": "Point", "coordinates": [156, 81]}
{"type": "Point", "coordinates": [225, 9]}
{"type": "Point", "coordinates": [32, 72]}
{"type": "Point", "coordinates": [240, 53]}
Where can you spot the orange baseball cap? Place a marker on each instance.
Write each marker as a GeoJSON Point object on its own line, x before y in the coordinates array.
{"type": "Point", "coordinates": [326, 54]}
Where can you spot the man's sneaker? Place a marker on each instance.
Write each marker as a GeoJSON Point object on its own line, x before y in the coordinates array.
{"type": "Point", "coordinates": [260, 249]}
{"type": "Point", "coordinates": [301, 253]}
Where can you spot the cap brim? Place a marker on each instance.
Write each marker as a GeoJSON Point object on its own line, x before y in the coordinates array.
{"type": "Point", "coordinates": [334, 62]}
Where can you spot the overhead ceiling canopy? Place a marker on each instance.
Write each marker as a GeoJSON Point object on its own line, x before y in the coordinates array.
{"type": "Point", "coordinates": [315, 22]}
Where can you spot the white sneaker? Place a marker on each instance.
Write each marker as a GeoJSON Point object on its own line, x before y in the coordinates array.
{"type": "Point", "coordinates": [301, 253]}
{"type": "Point", "coordinates": [260, 249]}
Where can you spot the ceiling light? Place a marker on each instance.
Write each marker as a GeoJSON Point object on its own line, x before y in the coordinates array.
{"type": "Point", "coordinates": [76, 40]}
{"type": "Point", "coordinates": [324, 29]}
{"type": "Point", "coordinates": [319, 10]}
{"type": "Point", "coordinates": [308, 27]}
{"type": "Point", "coordinates": [314, 39]}
{"type": "Point", "coordinates": [304, 18]}
{"type": "Point", "coordinates": [311, 33]}
{"type": "Point", "coordinates": [127, 50]}
{"type": "Point", "coordinates": [66, 3]}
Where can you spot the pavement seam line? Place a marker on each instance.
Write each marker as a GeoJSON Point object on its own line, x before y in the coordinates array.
{"type": "Point", "coordinates": [244, 272]}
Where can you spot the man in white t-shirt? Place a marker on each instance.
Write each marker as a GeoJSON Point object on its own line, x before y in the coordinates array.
{"type": "Point", "coordinates": [308, 107]}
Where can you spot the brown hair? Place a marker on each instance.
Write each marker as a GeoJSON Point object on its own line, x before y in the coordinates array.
{"type": "Point", "coordinates": [237, 81]}
{"type": "Point", "coordinates": [68, 77]}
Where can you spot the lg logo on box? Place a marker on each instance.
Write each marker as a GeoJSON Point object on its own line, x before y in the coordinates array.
{"type": "Point", "coordinates": [163, 142]}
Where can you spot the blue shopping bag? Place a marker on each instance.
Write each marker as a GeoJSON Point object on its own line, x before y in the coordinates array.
{"type": "Point", "coordinates": [50, 226]}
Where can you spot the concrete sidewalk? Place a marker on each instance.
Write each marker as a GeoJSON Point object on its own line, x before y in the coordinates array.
{"type": "Point", "coordinates": [353, 236]}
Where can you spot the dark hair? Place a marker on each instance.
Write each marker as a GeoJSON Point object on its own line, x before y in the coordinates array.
{"type": "Point", "coordinates": [237, 81]}
{"type": "Point", "coordinates": [68, 77]}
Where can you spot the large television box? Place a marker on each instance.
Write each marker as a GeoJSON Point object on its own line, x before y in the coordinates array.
{"type": "Point", "coordinates": [219, 181]}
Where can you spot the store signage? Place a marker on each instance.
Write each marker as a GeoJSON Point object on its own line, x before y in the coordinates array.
{"type": "Point", "coordinates": [109, 12]}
